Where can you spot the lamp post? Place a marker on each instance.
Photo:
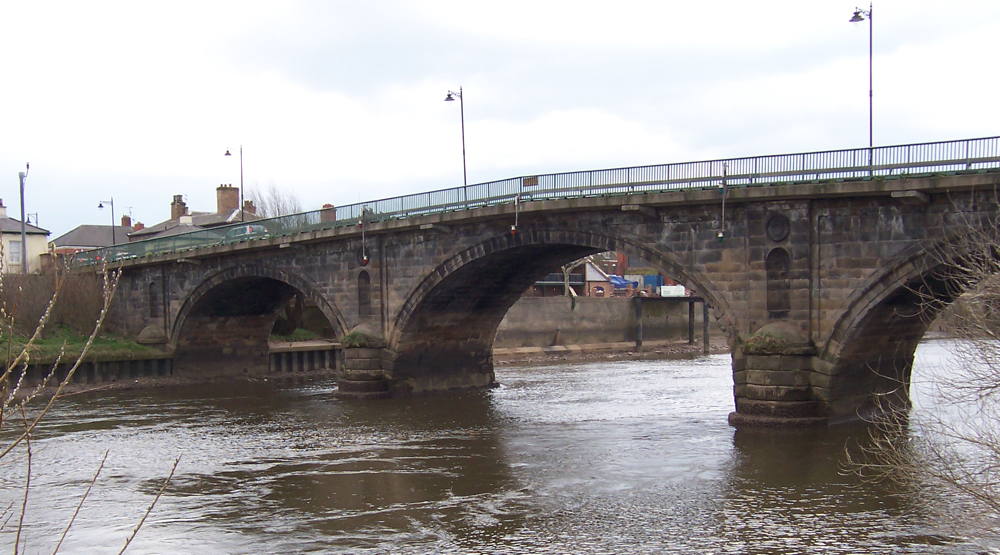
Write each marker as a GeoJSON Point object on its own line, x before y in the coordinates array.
{"type": "Point", "coordinates": [461, 106]}
{"type": "Point", "coordinates": [112, 204]}
{"type": "Point", "coordinates": [22, 177]}
{"type": "Point", "coordinates": [859, 16]}
{"type": "Point", "coordinates": [242, 216]}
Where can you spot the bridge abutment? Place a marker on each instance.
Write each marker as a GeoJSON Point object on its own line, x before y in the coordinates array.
{"type": "Point", "coordinates": [219, 346]}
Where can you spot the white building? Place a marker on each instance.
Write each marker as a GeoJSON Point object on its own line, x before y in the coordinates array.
{"type": "Point", "coordinates": [13, 249]}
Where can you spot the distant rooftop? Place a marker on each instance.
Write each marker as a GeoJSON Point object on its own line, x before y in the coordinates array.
{"type": "Point", "coordinates": [92, 236]}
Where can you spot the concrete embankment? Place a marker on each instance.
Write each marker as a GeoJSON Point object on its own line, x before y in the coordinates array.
{"type": "Point", "coordinates": [622, 350]}
{"type": "Point", "coordinates": [553, 329]}
{"type": "Point", "coordinates": [548, 321]}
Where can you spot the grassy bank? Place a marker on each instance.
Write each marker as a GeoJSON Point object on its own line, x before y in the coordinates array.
{"type": "Point", "coordinates": [105, 347]}
{"type": "Point", "coordinates": [46, 349]}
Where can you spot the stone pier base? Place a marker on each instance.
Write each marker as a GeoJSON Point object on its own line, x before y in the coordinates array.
{"type": "Point", "coordinates": [363, 376]}
{"type": "Point", "coordinates": [772, 377]}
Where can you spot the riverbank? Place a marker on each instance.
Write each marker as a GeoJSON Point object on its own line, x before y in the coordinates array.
{"type": "Point", "coordinates": [297, 378]}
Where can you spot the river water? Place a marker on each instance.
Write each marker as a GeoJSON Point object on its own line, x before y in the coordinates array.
{"type": "Point", "coordinates": [607, 457]}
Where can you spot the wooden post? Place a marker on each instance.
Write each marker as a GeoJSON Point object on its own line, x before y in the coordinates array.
{"type": "Point", "coordinates": [704, 327]}
{"type": "Point", "coordinates": [690, 322]}
{"type": "Point", "coordinates": [638, 322]}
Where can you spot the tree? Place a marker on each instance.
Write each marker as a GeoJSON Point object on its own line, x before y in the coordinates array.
{"type": "Point", "coordinates": [274, 202]}
{"type": "Point", "coordinates": [956, 449]}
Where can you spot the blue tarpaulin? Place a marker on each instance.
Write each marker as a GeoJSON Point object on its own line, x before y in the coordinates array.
{"type": "Point", "coordinates": [621, 283]}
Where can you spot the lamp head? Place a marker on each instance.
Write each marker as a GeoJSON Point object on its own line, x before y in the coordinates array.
{"type": "Point", "coordinates": [228, 153]}
{"type": "Point", "coordinates": [449, 98]}
{"type": "Point", "coordinates": [858, 16]}
{"type": "Point", "coordinates": [100, 204]}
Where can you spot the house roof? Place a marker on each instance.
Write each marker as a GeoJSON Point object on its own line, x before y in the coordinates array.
{"type": "Point", "coordinates": [92, 236]}
{"type": "Point", "coordinates": [199, 220]}
{"type": "Point", "coordinates": [10, 225]}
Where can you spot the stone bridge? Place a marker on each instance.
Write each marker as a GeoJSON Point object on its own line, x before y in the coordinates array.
{"type": "Point", "coordinates": [816, 284]}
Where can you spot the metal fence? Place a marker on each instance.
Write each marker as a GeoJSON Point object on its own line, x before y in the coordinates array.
{"type": "Point", "coordinates": [921, 158]}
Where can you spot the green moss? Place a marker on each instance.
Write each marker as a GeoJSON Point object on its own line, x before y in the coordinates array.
{"type": "Point", "coordinates": [765, 343]}
{"type": "Point", "coordinates": [360, 339]}
{"type": "Point", "coordinates": [299, 334]}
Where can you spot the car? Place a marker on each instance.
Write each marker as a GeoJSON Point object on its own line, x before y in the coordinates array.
{"type": "Point", "coordinates": [116, 255]}
{"type": "Point", "coordinates": [245, 232]}
{"type": "Point", "coordinates": [85, 258]}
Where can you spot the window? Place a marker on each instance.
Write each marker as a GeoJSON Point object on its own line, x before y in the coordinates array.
{"type": "Point", "coordinates": [154, 299]}
{"type": "Point", "coordinates": [14, 253]}
{"type": "Point", "coordinates": [777, 265]}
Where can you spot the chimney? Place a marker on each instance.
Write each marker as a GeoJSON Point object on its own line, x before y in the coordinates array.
{"type": "Point", "coordinates": [139, 226]}
{"type": "Point", "coordinates": [227, 199]}
{"type": "Point", "coordinates": [329, 213]}
{"type": "Point", "coordinates": [249, 207]}
{"type": "Point", "coordinates": [126, 221]}
{"type": "Point", "coordinates": [3, 209]}
{"type": "Point", "coordinates": [177, 207]}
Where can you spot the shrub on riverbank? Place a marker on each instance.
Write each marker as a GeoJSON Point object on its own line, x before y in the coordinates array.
{"type": "Point", "coordinates": [298, 334]}
{"type": "Point", "coordinates": [26, 298]}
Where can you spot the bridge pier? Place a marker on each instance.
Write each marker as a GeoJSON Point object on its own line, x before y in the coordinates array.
{"type": "Point", "coordinates": [364, 377]}
{"type": "Point", "coordinates": [774, 390]}
{"type": "Point", "coordinates": [773, 375]}
{"type": "Point", "coordinates": [442, 366]}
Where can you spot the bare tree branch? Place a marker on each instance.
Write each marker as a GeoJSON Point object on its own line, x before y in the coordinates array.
{"type": "Point", "coordinates": [957, 448]}
{"type": "Point", "coordinates": [27, 483]}
{"type": "Point", "coordinates": [110, 284]}
{"type": "Point", "coordinates": [151, 505]}
{"type": "Point", "coordinates": [274, 202]}
{"type": "Point", "coordinates": [72, 519]}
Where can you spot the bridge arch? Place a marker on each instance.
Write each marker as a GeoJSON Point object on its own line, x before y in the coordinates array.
{"type": "Point", "coordinates": [442, 337]}
{"type": "Point", "coordinates": [225, 321]}
{"type": "Point", "coordinates": [867, 359]}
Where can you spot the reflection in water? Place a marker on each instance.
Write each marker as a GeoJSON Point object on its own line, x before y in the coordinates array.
{"type": "Point", "coordinates": [607, 457]}
{"type": "Point", "coordinates": [794, 494]}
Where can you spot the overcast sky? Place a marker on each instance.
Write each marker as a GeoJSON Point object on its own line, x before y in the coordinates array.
{"type": "Point", "coordinates": [340, 102]}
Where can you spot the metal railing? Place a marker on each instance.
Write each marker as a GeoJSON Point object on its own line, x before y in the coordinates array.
{"type": "Point", "coordinates": [855, 163]}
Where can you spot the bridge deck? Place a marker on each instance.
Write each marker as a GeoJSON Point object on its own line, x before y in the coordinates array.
{"type": "Point", "coordinates": [881, 163]}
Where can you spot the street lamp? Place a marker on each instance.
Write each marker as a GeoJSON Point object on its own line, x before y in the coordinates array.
{"type": "Point", "coordinates": [112, 203]}
{"type": "Point", "coordinates": [22, 177]}
{"type": "Point", "coordinates": [461, 105]}
{"type": "Point", "coordinates": [242, 216]}
{"type": "Point", "coordinates": [859, 16]}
